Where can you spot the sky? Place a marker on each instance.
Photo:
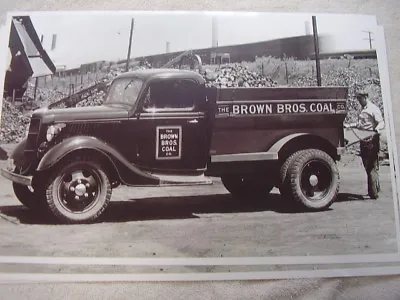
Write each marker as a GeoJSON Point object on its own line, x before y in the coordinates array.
{"type": "Point", "coordinates": [84, 37]}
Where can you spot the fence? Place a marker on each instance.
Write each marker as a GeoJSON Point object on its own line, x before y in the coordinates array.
{"type": "Point", "coordinates": [63, 84]}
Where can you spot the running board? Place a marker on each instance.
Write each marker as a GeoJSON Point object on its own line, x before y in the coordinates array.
{"type": "Point", "coordinates": [182, 180]}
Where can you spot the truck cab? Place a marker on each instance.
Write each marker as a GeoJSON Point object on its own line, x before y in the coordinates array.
{"type": "Point", "coordinates": [165, 127]}
{"type": "Point", "coordinates": [169, 124]}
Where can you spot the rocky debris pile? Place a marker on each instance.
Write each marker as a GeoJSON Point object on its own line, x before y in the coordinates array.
{"type": "Point", "coordinates": [98, 97]}
{"type": "Point", "coordinates": [14, 124]}
{"type": "Point", "coordinates": [236, 75]}
{"type": "Point", "coordinates": [351, 78]}
{"type": "Point", "coordinates": [145, 64]}
{"type": "Point", "coordinates": [95, 99]}
{"type": "Point", "coordinates": [91, 96]}
{"type": "Point", "coordinates": [46, 95]}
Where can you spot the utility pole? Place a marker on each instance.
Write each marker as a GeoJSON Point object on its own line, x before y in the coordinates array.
{"type": "Point", "coordinates": [369, 38]}
{"type": "Point", "coordinates": [37, 79]}
{"type": "Point", "coordinates": [316, 48]}
{"type": "Point", "coordinates": [167, 46]}
{"type": "Point", "coordinates": [130, 46]}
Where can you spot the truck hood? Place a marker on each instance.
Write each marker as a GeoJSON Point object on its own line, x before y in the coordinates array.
{"type": "Point", "coordinates": [103, 112]}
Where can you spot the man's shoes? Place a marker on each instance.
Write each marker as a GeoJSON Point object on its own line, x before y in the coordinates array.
{"type": "Point", "coordinates": [373, 192]}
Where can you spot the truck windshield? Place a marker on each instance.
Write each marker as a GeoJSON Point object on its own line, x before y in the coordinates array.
{"type": "Point", "coordinates": [124, 91]}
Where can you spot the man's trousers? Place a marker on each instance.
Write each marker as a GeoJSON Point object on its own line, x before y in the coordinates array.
{"type": "Point", "coordinates": [370, 157]}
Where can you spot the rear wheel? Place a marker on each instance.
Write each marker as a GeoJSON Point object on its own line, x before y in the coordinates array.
{"type": "Point", "coordinates": [313, 180]}
{"type": "Point", "coordinates": [250, 185]}
{"type": "Point", "coordinates": [78, 191]}
{"type": "Point", "coordinates": [283, 178]}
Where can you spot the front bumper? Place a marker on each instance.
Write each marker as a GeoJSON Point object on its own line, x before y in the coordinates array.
{"type": "Point", "coordinates": [10, 175]}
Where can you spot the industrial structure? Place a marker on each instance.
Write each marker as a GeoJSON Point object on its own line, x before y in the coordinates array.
{"type": "Point", "coordinates": [299, 47]}
{"type": "Point", "coordinates": [27, 57]}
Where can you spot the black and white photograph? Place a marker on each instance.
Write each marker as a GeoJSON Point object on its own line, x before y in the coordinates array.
{"type": "Point", "coordinates": [128, 137]}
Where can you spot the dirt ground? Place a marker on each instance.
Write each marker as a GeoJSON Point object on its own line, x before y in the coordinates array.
{"type": "Point", "coordinates": [205, 221]}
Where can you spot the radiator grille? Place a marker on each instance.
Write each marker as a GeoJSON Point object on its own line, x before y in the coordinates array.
{"type": "Point", "coordinates": [33, 134]}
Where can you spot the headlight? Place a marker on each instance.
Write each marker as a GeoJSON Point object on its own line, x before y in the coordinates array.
{"type": "Point", "coordinates": [53, 130]}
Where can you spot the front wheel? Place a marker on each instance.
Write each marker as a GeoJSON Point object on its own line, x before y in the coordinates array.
{"type": "Point", "coordinates": [313, 180]}
{"type": "Point", "coordinates": [79, 191]}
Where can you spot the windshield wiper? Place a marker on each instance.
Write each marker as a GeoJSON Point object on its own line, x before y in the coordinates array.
{"type": "Point", "coordinates": [128, 84]}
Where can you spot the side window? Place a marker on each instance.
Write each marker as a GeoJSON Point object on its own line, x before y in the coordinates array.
{"type": "Point", "coordinates": [171, 95]}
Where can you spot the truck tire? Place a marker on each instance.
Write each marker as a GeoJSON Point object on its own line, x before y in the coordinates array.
{"type": "Point", "coordinates": [313, 179]}
{"type": "Point", "coordinates": [78, 191]}
{"type": "Point", "coordinates": [241, 186]}
{"type": "Point", "coordinates": [283, 178]}
{"type": "Point", "coordinates": [25, 195]}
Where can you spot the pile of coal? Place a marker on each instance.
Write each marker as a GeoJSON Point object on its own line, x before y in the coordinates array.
{"type": "Point", "coordinates": [236, 75]}
{"type": "Point", "coordinates": [14, 124]}
{"type": "Point", "coordinates": [95, 99]}
{"type": "Point", "coordinates": [352, 79]}
{"type": "Point", "coordinates": [98, 97]}
{"type": "Point", "coordinates": [44, 94]}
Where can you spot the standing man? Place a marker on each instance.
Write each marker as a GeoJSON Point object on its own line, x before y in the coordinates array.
{"type": "Point", "coordinates": [371, 119]}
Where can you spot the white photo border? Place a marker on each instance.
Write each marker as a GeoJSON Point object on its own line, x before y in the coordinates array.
{"type": "Point", "coordinates": [245, 261]}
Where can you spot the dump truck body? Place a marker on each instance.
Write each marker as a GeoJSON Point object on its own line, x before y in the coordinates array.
{"type": "Point", "coordinates": [257, 123]}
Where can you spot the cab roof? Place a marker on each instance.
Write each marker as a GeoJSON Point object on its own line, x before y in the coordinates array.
{"type": "Point", "coordinates": [151, 74]}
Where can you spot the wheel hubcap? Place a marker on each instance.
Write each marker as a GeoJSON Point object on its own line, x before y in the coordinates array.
{"type": "Point", "coordinates": [315, 180]}
{"type": "Point", "coordinates": [79, 189]}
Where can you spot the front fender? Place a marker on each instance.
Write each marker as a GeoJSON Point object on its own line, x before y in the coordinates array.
{"type": "Point", "coordinates": [69, 145]}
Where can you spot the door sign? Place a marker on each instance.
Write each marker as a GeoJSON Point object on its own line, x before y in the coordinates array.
{"type": "Point", "coordinates": [168, 142]}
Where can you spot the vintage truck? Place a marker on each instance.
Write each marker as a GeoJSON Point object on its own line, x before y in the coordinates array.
{"type": "Point", "coordinates": [167, 127]}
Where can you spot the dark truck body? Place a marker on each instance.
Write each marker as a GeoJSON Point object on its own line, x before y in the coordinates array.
{"type": "Point", "coordinates": [267, 124]}
{"type": "Point", "coordinates": [179, 132]}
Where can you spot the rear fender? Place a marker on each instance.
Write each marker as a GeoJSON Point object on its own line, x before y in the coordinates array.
{"type": "Point", "coordinates": [72, 144]}
{"type": "Point", "coordinates": [277, 147]}
{"type": "Point", "coordinates": [297, 141]}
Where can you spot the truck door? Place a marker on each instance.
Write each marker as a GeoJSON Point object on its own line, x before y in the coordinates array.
{"type": "Point", "coordinates": [173, 127]}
